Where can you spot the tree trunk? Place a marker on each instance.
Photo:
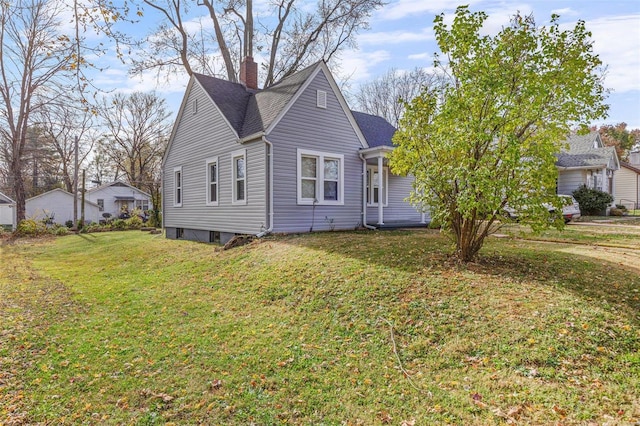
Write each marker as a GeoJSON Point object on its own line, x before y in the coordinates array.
{"type": "Point", "coordinates": [18, 187]}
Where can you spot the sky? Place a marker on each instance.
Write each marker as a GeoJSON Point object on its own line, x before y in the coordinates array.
{"type": "Point", "coordinates": [401, 36]}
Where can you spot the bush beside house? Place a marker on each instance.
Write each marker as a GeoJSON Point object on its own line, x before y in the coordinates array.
{"type": "Point", "coordinates": [592, 201]}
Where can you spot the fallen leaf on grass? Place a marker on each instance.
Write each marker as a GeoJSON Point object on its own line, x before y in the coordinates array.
{"type": "Point", "coordinates": [163, 396]}
{"type": "Point", "coordinates": [384, 417]}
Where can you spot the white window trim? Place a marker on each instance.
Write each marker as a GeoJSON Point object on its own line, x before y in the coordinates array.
{"type": "Point", "coordinates": [175, 187]}
{"type": "Point", "coordinates": [237, 154]}
{"type": "Point", "coordinates": [385, 182]}
{"type": "Point", "coordinates": [208, 162]}
{"type": "Point", "coordinates": [321, 156]}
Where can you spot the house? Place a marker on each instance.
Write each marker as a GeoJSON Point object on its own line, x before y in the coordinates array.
{"type": "Point", "coordinates": [586, 161]}
{"type": "Point", "coordinates": [7, 213]}
{"type": "Point", "coordinates": [627, 192]}
{"type": "Point", "coordinates": [56, 206]}
{"type": "Point", "coordinates": [289, 158]}
{"type": "Point", "coordinates": [114, 197]}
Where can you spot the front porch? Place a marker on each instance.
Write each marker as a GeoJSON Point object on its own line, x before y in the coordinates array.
{"type": "Point", "coordinates": [385, 195]}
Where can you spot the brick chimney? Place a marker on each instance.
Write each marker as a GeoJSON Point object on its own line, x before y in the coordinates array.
{"type": "Point", "coordinates": [249, 73]}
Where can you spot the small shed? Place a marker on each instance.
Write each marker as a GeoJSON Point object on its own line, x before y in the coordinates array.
{"type": "Point", "coordinates": [57, 206]}
{"type": "Point", "coordinates": [7, 212]}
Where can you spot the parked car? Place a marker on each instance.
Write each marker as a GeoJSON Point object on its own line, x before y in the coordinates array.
{"type": "Point", "coordinates": [570, 209]}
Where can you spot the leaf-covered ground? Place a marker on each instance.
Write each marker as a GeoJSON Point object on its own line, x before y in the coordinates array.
{"type": "Point", "coordinates": [331, 328]}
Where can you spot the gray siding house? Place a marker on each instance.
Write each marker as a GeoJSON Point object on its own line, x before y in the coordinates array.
{"type": "Point", "coordinates": [586, 161]}
{"type": "Point", "coordinates": [290, 158]}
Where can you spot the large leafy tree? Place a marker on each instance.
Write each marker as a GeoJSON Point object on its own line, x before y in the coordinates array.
{"type": "Point", "coordinates": [619, 137]}
{"type": "Point", "coordinates": [487, 139]}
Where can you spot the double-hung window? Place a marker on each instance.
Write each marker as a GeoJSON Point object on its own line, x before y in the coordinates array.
{"type": "Point", "coordinates": [320, 177]}
{"type": "Point", "coordinates": [239, 167]}
{"type": "Point", "coordinates": [142, 205]}
{"type": "Point", "coordinates": [372, 186]}
{"type": "Point", "coordinates": [212, 181]}
{"type": "Point", "coordinates": [177, 187]}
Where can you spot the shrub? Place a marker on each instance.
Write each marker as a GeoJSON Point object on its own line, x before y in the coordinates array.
{"type": "Point", "coordinates": [118, 224]}
{"type": "Point", "coordinates": [60, 231]}
{"type": "Point", "coordinates": [592, 201]}
{"type": "Point", "coordinates": [69, 224]}
{"type": "Point", "coordinates": [617, 212]}
{"type": "Point", "coordinates": [155, 219]}
{"type": "Point", "coordinates": [31, 228]}
{"type": "Point", "coordinates": [134, 222]}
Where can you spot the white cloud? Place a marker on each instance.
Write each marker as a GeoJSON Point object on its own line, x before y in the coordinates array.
{"type": "Point", "coordinates": [404, 8]}
{"type": "Point", "coordinates": [357, 66]}
{"type": "Point", "coordinates": [566, 11]}
{"type": "Point", "coordinates": [617, 41]}
{"type": "Point", "coordinates": [395, 37]}
{"type": "Point", "coordinates": [420, 56]}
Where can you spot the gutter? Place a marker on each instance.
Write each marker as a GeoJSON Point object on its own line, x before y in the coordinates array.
{"type": "Point", "coordinates": [270, 179]}
{"type": "Point", "coordinates": [253, 137]}
{"type": "Point", "coordinates": [364, 196]}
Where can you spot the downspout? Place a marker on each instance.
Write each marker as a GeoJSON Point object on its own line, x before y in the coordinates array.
{"type": "Point", "coordinates": [270, 180]}
{"type": "Point", "coordinates": [162, 212]}
{"type": "Point", "coordinates": [364, 195]}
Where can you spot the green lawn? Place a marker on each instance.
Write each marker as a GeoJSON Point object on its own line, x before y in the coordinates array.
{"type": "Point", "coordinates": [330, 328]}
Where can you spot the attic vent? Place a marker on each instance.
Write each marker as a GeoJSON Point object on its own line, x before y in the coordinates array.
{"type": "Point", "coordinates": [194, 106]}
{"type": "Point", "coordinates": [321, 99]}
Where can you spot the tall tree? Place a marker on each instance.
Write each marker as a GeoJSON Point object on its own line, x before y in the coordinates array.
{"type": "Point", "coordinates": [137, 133]}
{"type": "Point", "coordinates": [619, 137]}
{"type": "Point", "coordinates": [62, 126]}
{"type": "Point", "coordinates": [488, 139]}
{"type": "Point", "coordinates": [291, 36]}
{"type": "Point", "coordinates": [34, 60]}
{"type": "Point", "coordinates": [387, 95]}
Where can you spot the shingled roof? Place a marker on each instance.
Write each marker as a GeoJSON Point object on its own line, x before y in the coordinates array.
{"type": "Point", "coordinates": [376, 130]}
{"type": "Point", "coordinates": [251, 111]}
{"type": "Point", "coordinates": [585, 151]}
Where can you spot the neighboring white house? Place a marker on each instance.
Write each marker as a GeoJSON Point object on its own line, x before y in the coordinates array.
{"type": "Point", "coordinates": [7, 212]}
{"type": "Point", "coordinates": [115, 196]}
{"type": "Point", "coordinates": [628, 183]}
{"type": "Point", "coordinates": [586, 161]}
{"type": "Point", "coordinates": [57, 207]}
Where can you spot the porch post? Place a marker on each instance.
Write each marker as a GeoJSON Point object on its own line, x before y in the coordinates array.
{"type": "Point", "coordinates": [380, 192]}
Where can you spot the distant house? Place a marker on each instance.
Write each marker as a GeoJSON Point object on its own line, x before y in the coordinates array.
{"type": "Point", "coordinates": [56, 206]}
{"type": "Point", "coordinates": [114, 197]}
{"type": "Point", "coordinates": [7, 212]}
{"type": "Point", "coordinates": [290, 158]}
{"type": "Point", "coordinates": [627, 191]}
{"type": "Point", "coordinates": [586, 161]}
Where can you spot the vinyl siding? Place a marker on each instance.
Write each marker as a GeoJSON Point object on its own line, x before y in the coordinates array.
{"type": "Point", "coordinates": [627, 187]}
{"type": "Point", "coordinates": [327, 130]}
{"type": "Point", "coordinates": [59, 204]}
{"type": "Point", "coordinates": [570, 180]}
{"type": "Point", "coordinates": [109, 194]}
{"type": "Point", "coordinates": [397, 210]}
{"type": "Point", "coordinates": [197, 138]}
